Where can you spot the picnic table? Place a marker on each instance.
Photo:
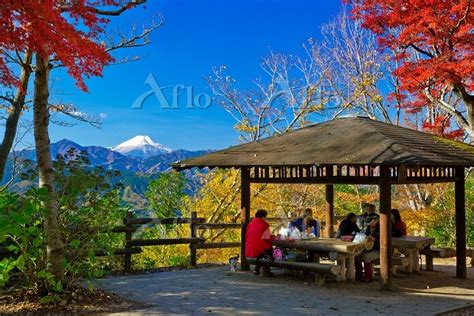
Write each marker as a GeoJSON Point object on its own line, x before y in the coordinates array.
{"type": "Point", "coordinates": [411, 246]}
{"type": "Point", "coordinates": [345, 251]}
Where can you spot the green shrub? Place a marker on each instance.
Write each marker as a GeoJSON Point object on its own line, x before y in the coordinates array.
{"type": "Point", "coordinates": [89, 205]}
{"type": "Point", "coordinates": [443, 226]}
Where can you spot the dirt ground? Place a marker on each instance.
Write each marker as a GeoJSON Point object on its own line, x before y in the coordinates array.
{"type": "Point", "coordinates": [217, 290]}
{"type": "Point", "coordinates": [80, 302]}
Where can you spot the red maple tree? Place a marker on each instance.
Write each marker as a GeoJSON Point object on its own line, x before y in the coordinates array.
{"type": "Point", "coordinates": [434, 42]}
{"type": "Point", "coordinates": [66, 32]}
{"type": "Point", "coordinates": [63, 33]}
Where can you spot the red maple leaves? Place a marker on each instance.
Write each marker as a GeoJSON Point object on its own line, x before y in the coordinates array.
{"type": "Point", "coordinates": [435, 44]}
{"type": "Point", "coordinates": [441, 126]}
{"type": "Point", "coordinates": [67, 32]}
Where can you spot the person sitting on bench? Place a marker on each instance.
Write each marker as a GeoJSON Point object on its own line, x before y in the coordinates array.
{"type": "Point", "coordinates": [258, 239]}
{"type": "Point", "coordinates": [306, 222]}
{"type": "Point", "coordinates": [369, 215]}
{"type": "Point", "coordinates": [373, 233]}
{"type": "Point", "coordinates": [399, 228]}
{"type": "Point", "coordinates": [348, 226]}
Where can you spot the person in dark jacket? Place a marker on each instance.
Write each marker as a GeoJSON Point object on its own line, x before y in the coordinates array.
{"type": "Point", "coordinates": [369, 215]}
{"type": "Point", "coordinates": [399, 228]}
{"type": "Point", "coordinates": [258, 239]}
{"type": "Point", "coordinates": [373, 234]}
{"type": "Point", "coordinates": [348, 226]}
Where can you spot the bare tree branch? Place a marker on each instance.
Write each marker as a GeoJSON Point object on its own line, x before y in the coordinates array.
{"type": "Point", "coordinates": [136, 39]}
{"type": "Point", "coordinates": [69, 4]}
{"type": "Point", "coordinates": [73, 112]}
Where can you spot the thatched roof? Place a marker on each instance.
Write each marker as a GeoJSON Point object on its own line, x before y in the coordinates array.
{"type": "Point", "coordinates": [344, 141]}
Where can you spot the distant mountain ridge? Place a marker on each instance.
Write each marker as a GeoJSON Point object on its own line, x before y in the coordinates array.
{"type": "Point", "coordinates": [144, 162]}
{"type": "Point", "coordinates": [136, 169]}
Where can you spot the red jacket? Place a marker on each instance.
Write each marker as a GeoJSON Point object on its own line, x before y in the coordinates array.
{"type": "Point", "coordinates": [399, 229]}
{"type": "Point", "coordinates": [257, 238]}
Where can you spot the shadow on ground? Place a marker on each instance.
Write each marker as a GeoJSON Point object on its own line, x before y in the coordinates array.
{"type": "Point", "coordinates": [219, 291]}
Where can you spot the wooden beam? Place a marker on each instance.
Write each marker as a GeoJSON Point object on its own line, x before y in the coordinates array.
{"type": "Point", "coordinates": [352, 180]}
{"type": "Point", "coordinates": [385, 228]}
{"type": "Point", "coordinates": [329, 210]}
{"type": "Point", "coordinates": [282, 220]}
{"type": "Point", "coordinates": [245, 214]}
{"type": "Point", "coordinates": [163, 221]}
{"type": "Point", "coordinates": [209, 226]}
{"type": "Point", "coordinates": [327, 269]}
{"type": "Point", "coordinates": [161, 242]}
{"type": "Point", "coordinates": [319, 180]}
{"type": "Point", "coordinates": [120, 229]}
{"type": "Point", "coordinates": [461, 271]}
{"type": "Point", "coordinates": [218, 245]}
{"type": "Point", "coordinates": [421, 180]}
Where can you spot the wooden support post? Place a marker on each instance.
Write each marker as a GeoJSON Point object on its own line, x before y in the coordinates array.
{"type": "Point", "coordinates": [385, 228]}
{"type": "Point", "coordinates": [341, 262]}
{"type": "Point", "coordinates": [350, 267]}
{"type": "Point", "coordinates": [127, 258]}
{"type": "Point", "coordinates": [320, 279]}
{"type": "Point", "coordinates": [245, 214]}
{"type": "Point", "coordinates": [461, 271]}
{"type": "Point", "coordinates": [329, 210]}
{"type": "Point", "coordinates": [192, 234]}
{"type": "Point", "coordinates": [429, 263]}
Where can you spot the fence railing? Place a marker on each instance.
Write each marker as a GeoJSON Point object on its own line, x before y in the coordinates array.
{"type": "Point", "coordinates": [134, 246]}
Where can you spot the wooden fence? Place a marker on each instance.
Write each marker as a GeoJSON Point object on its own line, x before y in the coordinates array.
{"type": "Point", "coordinates": [134, 246]}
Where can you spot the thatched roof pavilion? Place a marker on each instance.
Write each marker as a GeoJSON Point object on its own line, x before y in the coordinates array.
{"type": "Point", "coordinates": [354, 150]}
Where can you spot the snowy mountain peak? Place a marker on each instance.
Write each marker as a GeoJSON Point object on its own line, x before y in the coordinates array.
{"type": "Point", "coordinates": [139, 140]}
{"type": "Point", "coordinates": [141, 146]}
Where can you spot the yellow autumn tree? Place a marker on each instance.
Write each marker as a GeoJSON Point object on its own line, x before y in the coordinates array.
{"type": "Point", "coordinates": [218, 201]}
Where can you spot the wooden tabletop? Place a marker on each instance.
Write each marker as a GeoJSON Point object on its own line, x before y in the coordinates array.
{"type": "Point", "coordinates": [324, 244]}
{"type": "Point", "coordinates": [412, 242]}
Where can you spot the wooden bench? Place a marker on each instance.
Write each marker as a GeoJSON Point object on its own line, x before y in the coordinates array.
{"type": "Point", "coordinates": [443, 253]}
{"type": "Point", "coordinates": [431, 253]}
{"type": "Point", "coordinates": [396, 262]}
{"type": "Point", "coordinates": [321, 270]}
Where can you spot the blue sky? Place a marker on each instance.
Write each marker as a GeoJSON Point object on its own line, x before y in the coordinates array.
{"type": "Point", "coordinates": [197, 35]}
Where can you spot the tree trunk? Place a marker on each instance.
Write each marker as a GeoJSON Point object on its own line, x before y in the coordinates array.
{"type": "Point", "coordinates": [470, 115]}
{"type": "Point", "coordinates": [14, 116]}
{"type": "Point", "coordinates": [469, 102]}
{"type": "Point", "coordinates": [54, 244]}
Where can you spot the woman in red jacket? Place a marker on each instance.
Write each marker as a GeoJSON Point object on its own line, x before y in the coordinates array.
{"type": "Point", "coordinates": [399, 228]}
{"type": "Point", "coordinates": [258, 239]}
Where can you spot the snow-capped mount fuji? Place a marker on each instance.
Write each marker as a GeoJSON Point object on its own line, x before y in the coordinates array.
{"type": "Point", "coordinates": [135, 171]}
{"type": "Point", "coordinates": [141, 146]}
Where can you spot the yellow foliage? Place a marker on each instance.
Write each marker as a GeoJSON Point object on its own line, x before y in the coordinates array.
{"type": "Point", "coordinates": [245, 127]}
{"type": "Point", "coordinates": [162, 256]}
{"type": "Point", "coordinates": [218, 201]}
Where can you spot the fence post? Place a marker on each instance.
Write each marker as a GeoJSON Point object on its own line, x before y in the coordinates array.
{"type": "Point", "coordinates": [192, 246]}
{"type": "Point", "coordinates": [127, 259]}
